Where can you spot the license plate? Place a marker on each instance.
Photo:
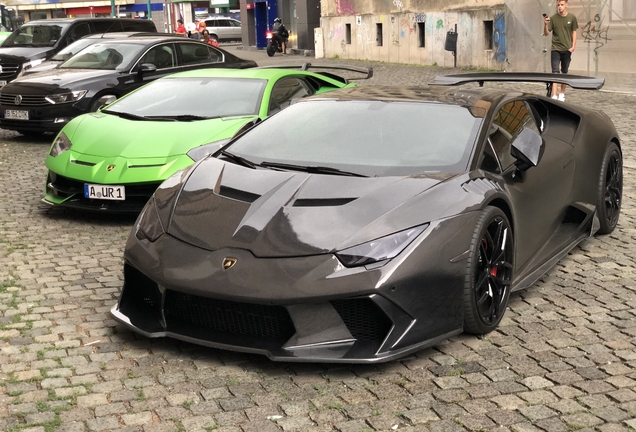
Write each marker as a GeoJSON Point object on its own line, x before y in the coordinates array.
{"type": "Point", "coordinates": [16, 114]}
{"type": "Point", "coordinates": [104, 192]}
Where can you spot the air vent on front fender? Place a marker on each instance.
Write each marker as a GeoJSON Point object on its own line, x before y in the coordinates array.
{"type": "Point", "coordinates": [238, 195]}
{"type": "Point", "coordinates": [326, 202]}
{"type": "Point", "coordinates": [79, 162]}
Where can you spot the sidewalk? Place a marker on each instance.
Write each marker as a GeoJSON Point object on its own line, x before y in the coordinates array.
{"type": "Point", "coordinates": [614, 82]}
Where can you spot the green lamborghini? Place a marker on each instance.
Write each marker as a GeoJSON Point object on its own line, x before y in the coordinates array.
{"type": "Point", "coordinates": [115, 158]}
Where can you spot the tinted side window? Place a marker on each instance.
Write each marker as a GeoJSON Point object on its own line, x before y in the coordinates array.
{"type": "Point", "coordinates": [107, 26]}
{"type": "Point", "coordinates": [161, 56]}
{"type": "Point", "coordinates": [285, 91]}
{"type": "Point", "coordinates": [78, 31]}
{"type": "Point", "coordinates": [235, 23]}
{"type": "Point", "coordinates": [509, 121]}
{"type": "Point", "coordinates": [139, 25]}
{"type": "Point", "coordinates": [198, 53]}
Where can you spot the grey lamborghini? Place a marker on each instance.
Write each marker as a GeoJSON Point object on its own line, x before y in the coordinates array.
{"type": "Point", "coordinates": [371, 222]}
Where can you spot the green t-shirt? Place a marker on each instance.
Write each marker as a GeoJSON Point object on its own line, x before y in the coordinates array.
{"type": "Point", "coordinates": [562, 28]}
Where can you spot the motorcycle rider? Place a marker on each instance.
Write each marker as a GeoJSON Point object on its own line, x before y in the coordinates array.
{"type": "Point", "coordinates": [280, 32]}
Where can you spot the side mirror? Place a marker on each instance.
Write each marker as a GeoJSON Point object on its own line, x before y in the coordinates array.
{"type": "Point", "coordinates": [147, 67]}
{"type": "Point", "coordinates": [105, 100]}
{"type": "Point", "coordinates": [527, 149]}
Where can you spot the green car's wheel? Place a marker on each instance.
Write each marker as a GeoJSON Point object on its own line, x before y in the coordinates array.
{"type": "Point", "coordinates": [488, 272]}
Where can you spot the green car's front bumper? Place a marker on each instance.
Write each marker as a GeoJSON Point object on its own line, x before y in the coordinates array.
{"type": "Point", "coordinates": [135, 180]}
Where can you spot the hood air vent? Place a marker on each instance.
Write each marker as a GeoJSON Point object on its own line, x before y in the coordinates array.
{"type": "Point", "coordinates": [326, 202]}
{"type": "Point", "coordinates": [238, 195]}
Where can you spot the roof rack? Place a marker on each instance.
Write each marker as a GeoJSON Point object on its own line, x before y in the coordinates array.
{"type": "Point", "coordinates": [368, 72]}
{"type": "Point", "coordinates": [579, 82]}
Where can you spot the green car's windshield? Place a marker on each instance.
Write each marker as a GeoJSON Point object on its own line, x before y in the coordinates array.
{"type": "Point", "coordinates": [372, 138]}
{"type": "Point", "coordinates": [184, 98]}
{"type": "Point", "coordinates": [36, 35]}
{"type": "Point", "coordinates": [107, 56]}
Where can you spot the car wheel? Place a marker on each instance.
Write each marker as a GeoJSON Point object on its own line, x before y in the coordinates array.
{"type": "Point", "coordinates": [97, 103]}
{"type": "Point", "coordinates": [215, 38]}
{"type": "Point", "coordinates": [489, 272]}
{"type": "Point", "coordinates": [610, 189]}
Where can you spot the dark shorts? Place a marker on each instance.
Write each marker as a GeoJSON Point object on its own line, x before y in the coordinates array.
{"type": "Point", "coordinates": [563, 57]}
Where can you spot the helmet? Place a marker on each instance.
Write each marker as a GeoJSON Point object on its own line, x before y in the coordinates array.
{"type": "Point", "coordinates": [277, 20]}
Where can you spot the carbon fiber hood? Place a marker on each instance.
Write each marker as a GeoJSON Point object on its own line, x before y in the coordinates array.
{"type": "Point", "coordinates": [285, 214]}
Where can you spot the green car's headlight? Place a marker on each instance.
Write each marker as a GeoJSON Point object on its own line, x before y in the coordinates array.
{"type": "Point", "coordinates": [60, 145]}
{"type": "Point", "coordinates": [198, 153]}
{"type": "Point", "coordinates": [73, 96]}
{"type": "Point", "coordinates": [381, 249]}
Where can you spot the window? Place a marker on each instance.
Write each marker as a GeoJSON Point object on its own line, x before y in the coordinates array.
{"type": "Point", "coordinates": [198, 53]}
{"type": "Point", "coordinates": [78, 31]}
{"type": "Point", "coordinates": [421, 34]}
{"type": "Point", "coordinates": [107, 26]}
{"type": "Point", "coordinates": [37, 15]}
{"type": "Point", "coordinates": [378, 33]}
{"type": "Point", "coordinates": [286, 90]}
{"type": "Point", "coordinates": [348, 34]}
{"type": "Point", "coordinates": [511, 119]}
{"type": "Point", "coordinates": [488, 35]}
{"type": "Point", "coordinates": [161, 56]}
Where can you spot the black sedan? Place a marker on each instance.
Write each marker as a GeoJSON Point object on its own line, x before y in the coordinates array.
{"type": "Point", "coordinates": [46, 101]}
{"type": "Point", "coordinates": [371, 222]}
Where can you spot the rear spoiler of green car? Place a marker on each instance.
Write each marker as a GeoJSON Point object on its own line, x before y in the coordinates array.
{"type": "Point", "coordinates": [367, 72]}
{"type": "Point", "coordinates": [579, 82]}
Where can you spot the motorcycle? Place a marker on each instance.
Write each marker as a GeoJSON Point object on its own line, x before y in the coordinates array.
{"type": "Point", "coordinates": [273, 44]}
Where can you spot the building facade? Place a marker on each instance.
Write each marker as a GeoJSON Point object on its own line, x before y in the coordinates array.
{"type": "Point", "coordinates": [491, 34]}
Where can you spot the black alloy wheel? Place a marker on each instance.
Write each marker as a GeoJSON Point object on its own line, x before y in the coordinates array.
{"type": "Point", "coordinates": [610, 189]}
{"type": "Point", "coordinates": [489, 272]}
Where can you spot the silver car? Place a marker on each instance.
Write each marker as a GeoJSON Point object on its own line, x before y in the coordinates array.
{"type": "Point", "coordinates": [224, 29]}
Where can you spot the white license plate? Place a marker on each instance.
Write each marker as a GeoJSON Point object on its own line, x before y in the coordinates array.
{"type": "Point", "coordinates": [3, 83]}
{"type": "Point", "coordinates": [104, 192]}
{"type": "Point", "coordinates": [16, 114]}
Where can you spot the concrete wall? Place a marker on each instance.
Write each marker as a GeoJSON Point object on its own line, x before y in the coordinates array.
{"type": "Point", "coordinates": [606, 37]}
{"type": "Point", "coordinates": [401, 33]}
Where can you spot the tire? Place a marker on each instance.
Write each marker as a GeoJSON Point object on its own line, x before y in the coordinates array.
{"type": "Point", "coordinates": [610, 189]}
{"type": "Point", "coordinates": [215, 38]}
{"type": "Point", "coordinates": [95, 104]}
{"type": "Point", "coordinates": [271, 48]}
{"type": "Point", "coordinates": [489, 272]}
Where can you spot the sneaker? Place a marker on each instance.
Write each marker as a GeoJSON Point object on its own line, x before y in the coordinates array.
{"type": "Point", "coordinates": [554, 97]}
{"type": "Point", "coordinates": [562, 97]}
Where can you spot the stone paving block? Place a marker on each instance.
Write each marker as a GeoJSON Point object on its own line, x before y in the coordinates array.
{"type": "Point", "coordinates": [581, 420]}
{"type": "Point", "coordinates": [92, 400]}
{"type": "Point", "coordinates": [420, 416]}
{"type": "Point", "coordinates": [102, 423]}
{"type": "Point", "coordinates": [294, 423]}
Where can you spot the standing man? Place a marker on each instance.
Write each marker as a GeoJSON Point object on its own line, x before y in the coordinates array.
{"type": "Point", "coordinates": [563, 27]}
{"type": "Point", "coordinates": [181, 30]}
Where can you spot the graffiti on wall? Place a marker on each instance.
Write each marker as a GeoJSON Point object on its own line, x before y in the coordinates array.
{"type": "Point", "coordinates": [594, 32]}
{"type": "Point", "coordinates": [499, 38]}
{"type": "Point", "coordinates": [398, 4]}
{"type": "Point", "coordinates": [344, 7]}
{"type": "Point", "coordinates": [336, 32]}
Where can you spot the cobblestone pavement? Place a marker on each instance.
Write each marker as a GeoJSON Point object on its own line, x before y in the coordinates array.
{"type": "Point", "coordinates": [563, 359]}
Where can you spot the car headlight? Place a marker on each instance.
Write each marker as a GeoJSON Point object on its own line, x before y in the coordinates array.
{"type": "Point", "coordinates": [198, 153]}
{"type": "Point", "coordinates": [73, 96]}
{"type": "Point", "coordinates": [382, 249]}
{"type": "Point", "coordinates": [149, 225]}
{"type": "Point", "coordinates": [60, 145]}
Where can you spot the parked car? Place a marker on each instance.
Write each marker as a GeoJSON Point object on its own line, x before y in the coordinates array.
{"type": "Point", "coordinates": [45, 102]}
{"type": "Point", "coordinates": [38, 40]}
{"type": "Point", "coordinates": [223, 29]}
{"type": "Point", "coordinates": [77, 46]}
{"type": "Point", "coordinates": [371, 222]}
{"type": "Point", "coordinates": [115, 159]}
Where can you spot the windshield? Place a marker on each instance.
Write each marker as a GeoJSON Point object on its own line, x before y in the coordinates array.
{"type": "Point", "coordinates": [373, 138]}
{"type": "Point", "coordinates": [108, 56]}
{"type": "Point", "coordinates": [36, 35]}
{"type": "Point", "coordinates": [204, 97]}
{"type": "Point", "coordinates": [73, 48]}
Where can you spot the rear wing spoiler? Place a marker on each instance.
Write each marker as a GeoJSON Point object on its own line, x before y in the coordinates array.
{"type": "Point", "coordinates": [579, 82]}
{"type": "Point", "coordinates": [367, 72]}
